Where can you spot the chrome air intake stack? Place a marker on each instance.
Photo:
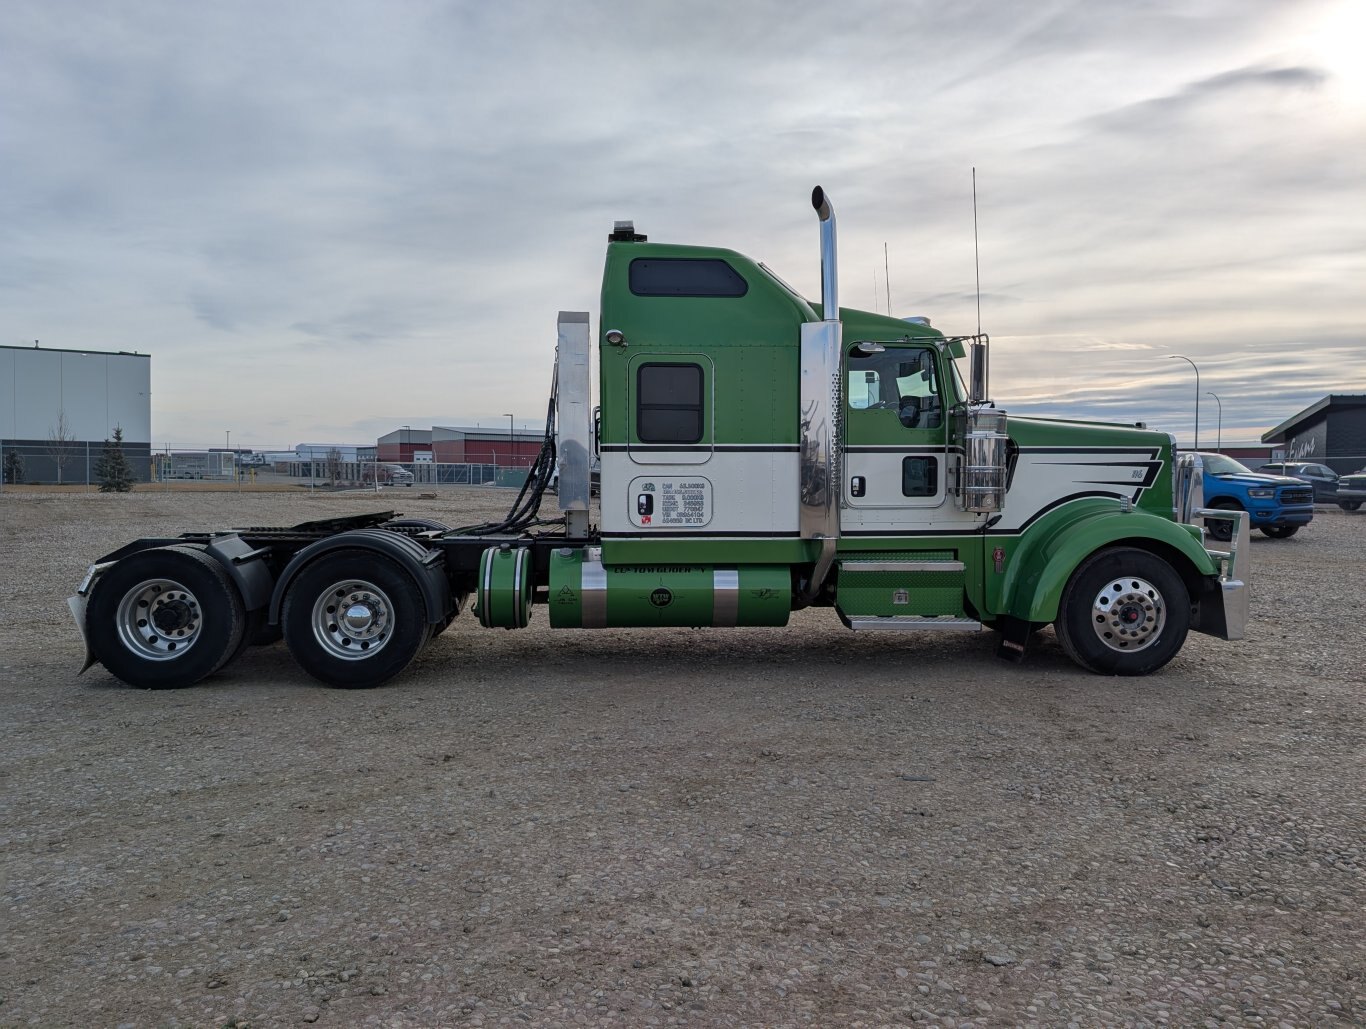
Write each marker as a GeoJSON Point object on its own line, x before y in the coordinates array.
{"type": "Point", "coordinates": [981, 428]}
{"type": "Point", "coordinates": [818, 427]}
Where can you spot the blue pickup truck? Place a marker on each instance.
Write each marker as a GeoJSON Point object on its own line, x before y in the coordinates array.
{"type": "Point", "coordinates": [1277, 504]}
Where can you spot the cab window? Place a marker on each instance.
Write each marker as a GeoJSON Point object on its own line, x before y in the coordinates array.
{"type": "Point", "coordinates": [902, 381]}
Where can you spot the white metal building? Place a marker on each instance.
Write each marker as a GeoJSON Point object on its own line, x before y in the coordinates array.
{"type": "Point", "coordinates": [91, 391]}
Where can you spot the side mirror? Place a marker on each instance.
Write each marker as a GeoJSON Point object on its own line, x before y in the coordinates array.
{"type": "Point", "coordinates": [977, 374]}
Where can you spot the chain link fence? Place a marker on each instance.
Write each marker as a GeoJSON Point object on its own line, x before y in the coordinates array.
{"type": "Point", "coordinates": [322, 467]}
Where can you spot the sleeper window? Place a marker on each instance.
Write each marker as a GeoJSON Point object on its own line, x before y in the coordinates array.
{"type": "Point", "coordinates": [669, 403]}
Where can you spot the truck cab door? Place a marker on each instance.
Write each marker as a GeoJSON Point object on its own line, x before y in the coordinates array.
{"type": "Point", "coordinates": [895, 435]}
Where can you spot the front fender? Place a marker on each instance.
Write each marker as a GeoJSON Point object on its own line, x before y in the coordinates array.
{"type": "Point", "coordinates": [1040, 568]}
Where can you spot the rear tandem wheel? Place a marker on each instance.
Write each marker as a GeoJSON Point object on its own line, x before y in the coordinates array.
{"type": "Point", "coordinates": [165, 618]}
{"type": "Point", "coordinates": [354, 619]}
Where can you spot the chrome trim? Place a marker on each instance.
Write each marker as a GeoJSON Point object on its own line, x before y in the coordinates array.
{"type": "Point", "coordinates": [981, 483]}
{"type": "Point", "coordinates": [1188, 487]}
{"type": "Point", "coordinates": [1226, 617]}
{"type": "Point", "coordinates": [593, 588]}
{"type": "Point", "coordinates": [352, 620]}
{"type": "Point", "coordinates": [574, 420]}
{"type": "Point", "coordinates": [902, 566]}
{"type": "Point", "coordinates": [1128, 614]}
{"type": "Point", "coordinates": [518, 570]}
{"type": "Point", "coordinates": [725, 584]}
{"type": "Point", "coordinates": [486, 590]}
{"type": "Point", "coordinates": [912, 623]}
{"type": "Point", "coordinates": [819, 475]}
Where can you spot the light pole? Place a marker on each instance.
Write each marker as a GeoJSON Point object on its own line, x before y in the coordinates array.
{"type": "Point", "coordinates": [1219, 446]}
{"type": "Point", "coordinates": [1197, 394]}
{"type": "Point", "coordinates": [512, 439]}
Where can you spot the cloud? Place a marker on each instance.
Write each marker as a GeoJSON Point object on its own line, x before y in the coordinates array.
{"type": "Point", "coordinates": [1229, 85]}
{"type": "Point", "coordinates": [379, 208]}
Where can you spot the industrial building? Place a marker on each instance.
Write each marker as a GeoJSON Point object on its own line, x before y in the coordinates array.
{"type": "Point", "coordinates": [442, 444]}
{"type": "Point", "coordinates": [57, 407]}
{"type": "Point", "coordinates": [1331, 432]}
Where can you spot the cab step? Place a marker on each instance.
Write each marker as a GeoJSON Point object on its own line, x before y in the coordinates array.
{"type": "Point", "coordinates": [910, 623]}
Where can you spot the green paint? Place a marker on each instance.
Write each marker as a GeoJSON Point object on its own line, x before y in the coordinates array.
{"type": "Point", "coordinates": [671, 594]}
{"type": "Point", "coordinates": [504, 596]}
{"type": "Point", "coordinates": [1041, 562]}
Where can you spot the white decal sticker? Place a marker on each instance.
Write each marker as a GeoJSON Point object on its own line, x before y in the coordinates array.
{"type": "Point", "coordinates": [656, 502]}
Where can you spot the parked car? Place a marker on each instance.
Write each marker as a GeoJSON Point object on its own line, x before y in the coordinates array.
{"type": "Point", "coordinates": [1276, 504]}
{"type": "Point", "coordinates": [388, 475]}
{"type": "Point", "coordinates": [1352, 490]}
{"type": "Point", "coordinates": [1320, 476]}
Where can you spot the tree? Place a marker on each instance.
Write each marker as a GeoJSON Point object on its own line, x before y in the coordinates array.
{"type": "Point", "coordinates": [14, 467]}
{"type": "Point", "coordinates": [59, 440]}
{"type": "Point", "coordinates": [334, 463]}
{"type": "Point", "coordinates": [112, 469]}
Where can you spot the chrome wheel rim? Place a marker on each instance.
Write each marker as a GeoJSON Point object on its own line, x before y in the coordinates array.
{"type": "Point", "coordinates": [1128, 614]}
{"type": "Point", "coordinates": [353, 619]}
{"type": "Point", "coordinates": [159, 619]}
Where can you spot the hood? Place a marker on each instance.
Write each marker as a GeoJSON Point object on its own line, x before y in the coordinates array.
{"type": "Point", "coordinates": [1258, 479]}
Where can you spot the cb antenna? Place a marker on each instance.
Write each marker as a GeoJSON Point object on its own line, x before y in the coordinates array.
{"type": "Point", "coordinates": [887, 278]}
{"type": "Point", "coordinates": [976, 252]}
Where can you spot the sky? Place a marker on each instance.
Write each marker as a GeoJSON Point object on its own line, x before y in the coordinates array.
{"type": "Point", "coordinates": [325, 220]}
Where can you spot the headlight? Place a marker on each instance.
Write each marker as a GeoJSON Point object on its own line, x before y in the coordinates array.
{"type": "Point", "coordinates": [1261, 494]}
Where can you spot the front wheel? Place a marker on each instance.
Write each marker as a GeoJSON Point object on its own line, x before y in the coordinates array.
{"type": "Point", "coordinates": [354, 619]}
{"type": "Point", "coordinates": [165, 618]}
{"type": "Point", "coordinates": [1280, 532]}
{"type": "Point", "coordinates": [1123, 612]}
{"type": "Point", "coordinates": [1349, 505]}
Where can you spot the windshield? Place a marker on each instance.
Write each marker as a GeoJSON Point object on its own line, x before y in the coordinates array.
{"type": "Point", "coordinates": [1218, 464]}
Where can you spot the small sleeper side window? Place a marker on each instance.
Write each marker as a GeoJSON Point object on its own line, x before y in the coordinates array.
{"type": "Point", "coordinates": [669, 403]}
{"type": "Point", "coordinates": [685, 277]}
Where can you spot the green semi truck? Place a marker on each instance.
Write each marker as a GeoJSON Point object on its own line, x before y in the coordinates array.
{"type": "Point", "coordinates": [760, 452]}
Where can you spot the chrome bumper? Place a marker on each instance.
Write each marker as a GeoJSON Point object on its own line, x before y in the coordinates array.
{"type": "Point", "coordinates": [1222, 611]}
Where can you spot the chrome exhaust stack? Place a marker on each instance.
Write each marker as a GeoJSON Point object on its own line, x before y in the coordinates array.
{"type": "Point", "coordinates": [820, 398]}
{"type": "Point", "coordinates": [830, 304]}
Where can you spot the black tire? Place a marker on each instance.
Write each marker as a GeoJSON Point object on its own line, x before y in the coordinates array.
{"type": "Point", "coordinates": [1218, 528]}
{"type": "Point", "coordinates": [1107, 590]}
{"type": "Point", "coordinates": [388, 631]}
{"type": "Point", "coordinates": [1280, 532]}
{"type": "Point", "coordinates": [194, 622]}
{"type": "Point", "coordinates": [1349, 505]}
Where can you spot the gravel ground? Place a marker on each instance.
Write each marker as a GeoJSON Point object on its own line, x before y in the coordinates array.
{"type": "Point", "coordinates": [782, 827]}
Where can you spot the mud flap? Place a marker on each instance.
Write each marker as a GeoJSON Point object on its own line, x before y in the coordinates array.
{"type": "Point", "coordinates": [1014, 633]}
{"type": "Point", "coordinates": [76, 605]}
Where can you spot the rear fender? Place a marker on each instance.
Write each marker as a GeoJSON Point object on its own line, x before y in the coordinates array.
{"type": "Point", "coordinates": [425, 566]}
{"type": "Point", "coordinates": [1039, 571]}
